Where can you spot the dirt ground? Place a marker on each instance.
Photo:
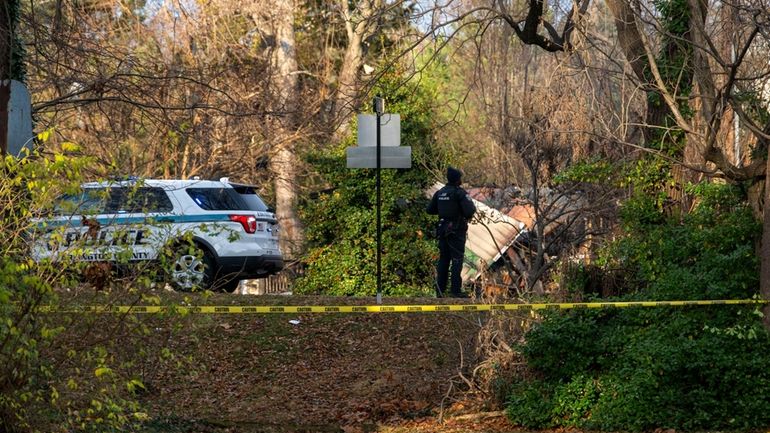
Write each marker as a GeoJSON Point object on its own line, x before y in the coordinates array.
{"type": "Point", "coordinates": [349, 373]}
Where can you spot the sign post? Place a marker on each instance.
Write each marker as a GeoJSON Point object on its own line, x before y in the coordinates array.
{"type": "Point", "coordinates": [379, 108]}
{"type": "Point", "coordinates": [379, 146]}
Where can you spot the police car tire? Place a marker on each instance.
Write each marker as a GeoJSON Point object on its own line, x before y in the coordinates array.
{"type": "Point", "coordinates": [189, 267]}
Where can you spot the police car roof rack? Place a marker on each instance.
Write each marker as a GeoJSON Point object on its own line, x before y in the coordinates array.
{"type": "Point", "coordinates": [125, 178]}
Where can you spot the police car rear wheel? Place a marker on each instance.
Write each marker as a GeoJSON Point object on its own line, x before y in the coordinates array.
{"type": "Point", "coordinates": [190, 269]}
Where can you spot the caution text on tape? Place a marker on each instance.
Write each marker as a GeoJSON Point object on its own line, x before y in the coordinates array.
{"type": "Point", "coordinates": [249, 309]}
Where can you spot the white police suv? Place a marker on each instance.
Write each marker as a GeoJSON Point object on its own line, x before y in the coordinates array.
{"type": "Point", "coordinates": [206, 234]}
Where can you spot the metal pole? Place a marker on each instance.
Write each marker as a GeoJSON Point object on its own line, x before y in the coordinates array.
{"type": "Point", "coordinates": [378, 109]}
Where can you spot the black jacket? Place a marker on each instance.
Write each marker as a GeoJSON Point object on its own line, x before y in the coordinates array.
{"type": "Point", "coordinates": [453, 204]}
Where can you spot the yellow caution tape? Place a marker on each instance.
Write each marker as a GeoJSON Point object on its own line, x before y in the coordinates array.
{"type": "Point", "coordinates": [241, 309]}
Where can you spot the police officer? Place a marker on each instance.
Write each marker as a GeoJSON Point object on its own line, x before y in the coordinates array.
{"type": "Point", "coordinates": [454, 208]}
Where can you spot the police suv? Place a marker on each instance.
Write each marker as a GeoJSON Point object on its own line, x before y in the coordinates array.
{"type": "Point", "coordinates": [205, 234]}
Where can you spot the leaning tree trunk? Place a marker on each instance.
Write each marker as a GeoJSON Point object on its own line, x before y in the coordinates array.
{"type": "Point", "coordinates": [347, 86]}
{"type": "Point", "coordinates": [359, 24]}
{"type": "Point", "coordinates": [284, 162]}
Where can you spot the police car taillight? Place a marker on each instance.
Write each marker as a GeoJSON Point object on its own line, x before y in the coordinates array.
{"type": "Point", "coordinates": [248, 222]}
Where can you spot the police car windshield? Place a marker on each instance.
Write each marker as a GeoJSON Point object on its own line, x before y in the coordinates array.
{"type": "Point", "coordinates": [217, 199]}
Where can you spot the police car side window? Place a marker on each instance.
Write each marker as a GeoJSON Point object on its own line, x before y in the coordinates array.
{"type": "Point", "coordinates": [155, 200]}
{"type": "Point", "coordinates": [138, 200]}
{"type": "Point", "coordinates": [217, 199]}
{"type": "Point", "coordinates": [90, 201]}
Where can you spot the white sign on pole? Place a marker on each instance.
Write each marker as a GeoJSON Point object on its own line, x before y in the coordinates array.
{"type": "Point", "coordinates": [390, 130]}
{"type": "Point", "coordinates": [19, 119]}
{"type": "Point", "coordinates": [392, 154]}
{"type": "Point", "coordinates": [390, 157]}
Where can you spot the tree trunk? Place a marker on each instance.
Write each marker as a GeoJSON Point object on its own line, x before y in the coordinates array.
{"type": "Point", "coordinates": [6, 42]}
{"type": "Point", "coordinates": [628, 36]}
{"type": "Point", "coordinates": [283, 159]}
{"type": "Point", "coordinates": [6, 39]}
{"type": "Point", "coordinates": [359, 25]}
{"type": "Point", "coordinates": [764, 271]}
{"type": "Point", "coordinates": [347, 88]}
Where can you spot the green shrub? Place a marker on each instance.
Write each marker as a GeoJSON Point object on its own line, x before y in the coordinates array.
{"type": "Point", "coordinates": [688, 368]}
{"type": "Point", "coordinates": [58, 372]}
{"type": "Point", "coordinates": [530, 404]}
{"type": "Point", "coordinates": [26, 186]}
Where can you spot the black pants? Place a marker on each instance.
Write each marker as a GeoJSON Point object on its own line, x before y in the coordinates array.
{"type": "Point", "coordinates": [451, 251]}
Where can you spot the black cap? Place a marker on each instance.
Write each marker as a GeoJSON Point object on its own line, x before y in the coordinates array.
{"type": "Point", "coordinates": [453, 176]}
